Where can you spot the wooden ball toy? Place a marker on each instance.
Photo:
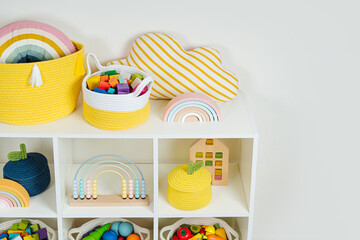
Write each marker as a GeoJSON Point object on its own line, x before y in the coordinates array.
{"type": "Point", "coordinates": [133, 236]}
{"type": "Point", "coordinates": [125, 229]}
{"type": "Point", "coordinates": [109, 235]}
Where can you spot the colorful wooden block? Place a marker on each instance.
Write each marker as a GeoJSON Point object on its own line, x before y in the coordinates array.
{"type": "Point", "coordinates": [112, 72]}
{"type": "Point", "coordinates": [113, 81]}
{"type": "Point", "coordinates": [199, 155]}
{"type": "Point", "coordinates": [121, 79]}
{"type": "Point", "coordinates": [136, 75]}
{"type": "Point", "coordinates": [218, 172]}
{"type": "Point", "coordinates": [24, 234]}
{"type": "Point", "coordinates": [218, 155]}
{"type": "Point", "coordinates": [209, 141]}
{"type": "Point", "coordinates": [28, 230]}
{"type": "Point", "coordinates": [126, 75]}
{"type": "Point", "coordinates": [209, 155]}
{"type": "Point", "coordinates": [15, 226]}
{"type": "Point", "coordinates": [42, 233]}
{"type": "Point", "coordinates": [98, 90]}
{"type": "Point", "coordinates": [13, 235]}
{"type": "Point", "coordinates": [17, 237]}
{"type": "Point", "coordinates": [28, 237]}
{"type": "Point", "coordinates": [3, 238]}
{"type": "Point", "coordinates": [34, 227]}
{"type": "Point", "coordinates": [4, 235]}
{"type": "Point", "coordinates": [104, 78]}
{"type": "Point", "coordinates": [93, 82]}
{"type": "Point", "coordinates": [23, 224]}
{"type": "Point", "coordinates": [218, 163]}
{"type": "Point", "coordinates": [111, 91]}
{"type": "Point", "coordinates": [122, 88]}
{"type": "Point", "coordinates": [135, 83]}
{"type": "Point", "coordinates": [208, 163]}
{"type": "Point", "coordinates": [104, 85]}
{"type": "Point", "coordinates": [35, 236]}
{"type": "Point", "coordinates": [15, 231]}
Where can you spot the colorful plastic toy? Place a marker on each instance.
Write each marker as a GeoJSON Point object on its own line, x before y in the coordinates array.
{"type": "Point", "coordinates": [129, 197]}
{"type": "Point", "coordinates": [122, 88]}
{"type": "Point", "coordinates": [192, 107]}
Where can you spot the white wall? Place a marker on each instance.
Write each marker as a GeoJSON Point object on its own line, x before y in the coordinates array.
{"type": "Point", "coordinates": [297, 60]}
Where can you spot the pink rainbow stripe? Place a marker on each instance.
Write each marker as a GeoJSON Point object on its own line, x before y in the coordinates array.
{"type": "Point", "coordinates": [38, 25]}
{"type": "Point", "coordinates": [191, 97]}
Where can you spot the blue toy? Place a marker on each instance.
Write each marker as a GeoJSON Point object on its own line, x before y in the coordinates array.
{"type": "Point", "coordinates": [115, 227]}
{"type": "Point", "coordinates": [109, 235]}
{"type": "Point", "coordinates": [125, 229]}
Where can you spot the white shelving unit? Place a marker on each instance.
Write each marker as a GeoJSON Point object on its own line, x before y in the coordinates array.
{"type": "Point", "coordinates": [156, 147]}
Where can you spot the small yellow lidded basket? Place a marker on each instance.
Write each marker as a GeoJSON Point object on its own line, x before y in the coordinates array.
{"type": "Point", "coordinates": [189, 187]}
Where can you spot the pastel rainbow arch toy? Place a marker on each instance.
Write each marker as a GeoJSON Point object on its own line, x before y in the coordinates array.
{"type": "Point", "coordinates": [132, 184]}
{"type": "Point", "coordinates": [12, 194]}
{"type": "Point", "coordinates": [29, 41]}
{"type": "Point", "coordinates": [192, 107]}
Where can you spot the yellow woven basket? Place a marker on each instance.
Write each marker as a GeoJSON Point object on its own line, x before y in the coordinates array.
{"type": "Point", "coordinates": [189, 192]}
{"type": "Point", "coordinates": [22, 104]}
{"type": "Point", "coordinates": [115, 111]}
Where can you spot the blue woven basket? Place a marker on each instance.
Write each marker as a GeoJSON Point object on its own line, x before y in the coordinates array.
{"type": "Point", "coordinates": [31, 170]}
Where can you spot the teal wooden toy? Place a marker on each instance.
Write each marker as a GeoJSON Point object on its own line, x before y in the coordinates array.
{"type": "Point", "coordinates": [13, 235]}
{"type": "Point", "coordinates": [28, 230]}
{"type": "Point", "coordinates": [111, 90]}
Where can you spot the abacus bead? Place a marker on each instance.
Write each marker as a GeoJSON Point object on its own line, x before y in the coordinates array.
{"type": "Point", "coordinates": [82, 191]}
{"type": "Point", "coordinates": [75, 190]}
{"type": "Point", "coordinates": [143, 191]}
{"type": "Point", "coordinates": [131, 189]}
{"type": "Point", "coordinates": [137, 188]}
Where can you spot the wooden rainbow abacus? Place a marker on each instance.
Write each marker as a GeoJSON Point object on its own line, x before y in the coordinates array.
{"type": "Point", "coordinates": [92, 199]}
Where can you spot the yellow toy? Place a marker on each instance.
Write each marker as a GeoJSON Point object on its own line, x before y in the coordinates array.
{"type": "Point", "coordinates": [189, 186]}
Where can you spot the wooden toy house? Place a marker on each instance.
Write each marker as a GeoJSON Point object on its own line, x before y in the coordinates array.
{"type": "Point", "coordinates": [215, 156]}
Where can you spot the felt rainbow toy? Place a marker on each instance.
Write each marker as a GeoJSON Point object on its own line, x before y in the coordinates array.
{"type": "Point", "coordinates": [29, 41]}
{"type": "Point", "coordinates": [12, 194]}
{"type": "Point", "coordinates": [192, 107]}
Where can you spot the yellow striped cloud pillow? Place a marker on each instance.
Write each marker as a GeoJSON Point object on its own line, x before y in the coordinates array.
{"type": "Point", "coordinates": [178, 71]}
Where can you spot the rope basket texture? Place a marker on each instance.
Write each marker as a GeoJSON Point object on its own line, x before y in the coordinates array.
{"type": "Point", "coordinates": [33, 175]}
{"type": "Point", "coordinates": [115, 111]}
{"type": "Point", "coordinates": [189, 192]}
{"type": "Point", "coordinates": [22, 104]}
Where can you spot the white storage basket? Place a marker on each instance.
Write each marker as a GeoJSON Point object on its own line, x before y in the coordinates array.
{"type": "Point", "coordinates": [51, 233]}
{"type": "Point", "coordinates": [116, 111]}
{"type": "Point", "coordinates": [230, 233]}
{"type": "Point", "coordinates": [86, 227]}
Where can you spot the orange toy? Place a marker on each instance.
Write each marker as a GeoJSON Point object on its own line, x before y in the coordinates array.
{"type": "Point", "coordinates": [113, 81]}
{"type": "Point", "coordinates": [104, 78]}
{"type": "Point", "coordinates": [133, 236]}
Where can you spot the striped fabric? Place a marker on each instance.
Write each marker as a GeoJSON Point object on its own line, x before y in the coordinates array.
{"type": "Point", "coordinates": [177, 71]}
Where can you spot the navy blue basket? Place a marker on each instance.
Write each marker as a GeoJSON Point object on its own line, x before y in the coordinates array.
{"type": "Point", "coordinates": [31, 170]}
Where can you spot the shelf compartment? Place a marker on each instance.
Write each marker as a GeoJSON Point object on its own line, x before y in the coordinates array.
{"type": "Point", "coordinates": [74, 152]}
{"type": "Point", "coordinates": [222, 197]}
{"type": "Point", "coordinates": [69, 223]}
{"type": "Point", "coordinates": [239, 224]}
{"type": "Point", "coordinates": [51, 222]}
{"type": "Point", "coordinates": [42, 205]}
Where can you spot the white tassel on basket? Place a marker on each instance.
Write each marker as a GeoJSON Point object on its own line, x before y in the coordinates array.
{"type": "Point", "coordinates": [35, 78]}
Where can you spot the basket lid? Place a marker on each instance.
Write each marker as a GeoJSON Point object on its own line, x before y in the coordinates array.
{"type": "Point", "coordinates": [180, 180]}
